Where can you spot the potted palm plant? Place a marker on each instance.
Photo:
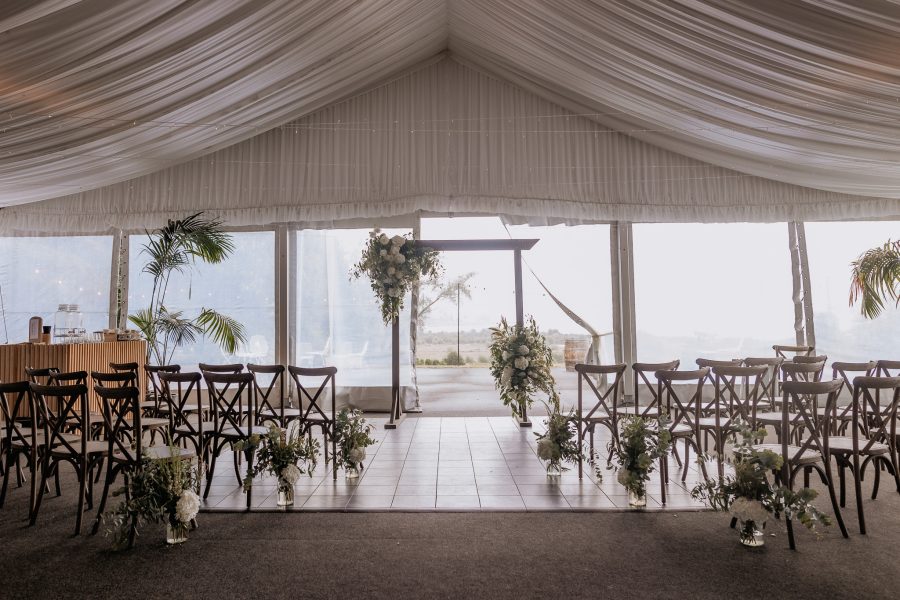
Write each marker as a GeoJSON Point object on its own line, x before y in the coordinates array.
{"type": "Point", "coordinates": [875, 278]}
{"type": "Point", "coordinates": [177, 248]}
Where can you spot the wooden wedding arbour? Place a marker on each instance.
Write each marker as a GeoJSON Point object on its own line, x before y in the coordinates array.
{"type": "Point", "coordinates": [516, 246]}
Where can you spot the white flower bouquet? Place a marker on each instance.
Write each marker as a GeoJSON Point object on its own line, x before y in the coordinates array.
{"type": "Point", "coordinates": [750, 495]}
{"type": "Point", "coordinates": [353, 437]}
{"type": "Point", "coordinates": [520, 364]}
{"type": "Point", "coordinates": [393, 265]}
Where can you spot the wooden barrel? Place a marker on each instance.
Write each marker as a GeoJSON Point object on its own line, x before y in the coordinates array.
{"type": "Point", "coordinates": [575, 351]}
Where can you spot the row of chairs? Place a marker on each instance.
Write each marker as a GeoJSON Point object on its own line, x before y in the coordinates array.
{"type": "Point", "coordinates": [47, 421]}
{"type": "Point", "coordinates": [812, 425]}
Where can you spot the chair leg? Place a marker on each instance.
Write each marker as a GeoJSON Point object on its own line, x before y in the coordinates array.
{"type": "Point", "coordinates": [211, 470]}
{"type": "Point", "coordinates": [334, 451]}
{"type": "Point", "coordinates": [45, 471]}
{"type": "Point", "coordinates": [248, 453]}
{"type": "Point", "coordinates": [790, 530]}
{"type": "Point", "coordinates": [828, 480]}
{"type": "Point", "coordinates": [107, 482]}
{"type": "Point", "coordinates": [687, 457]}
{"type": "Point", "coordinates": [859, 505]}
{"type": "Point", "coordinates": [6, 471]}
{"type": "Point", "coordinates": [877, 482]}
{"type": "Point", "coordinates": [83, 477]}
{"type": "Point", "coordinates": [842, 482]}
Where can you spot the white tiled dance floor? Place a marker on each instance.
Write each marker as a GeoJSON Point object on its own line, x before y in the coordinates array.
{"type": "Point", "coordinates": [453, 464]}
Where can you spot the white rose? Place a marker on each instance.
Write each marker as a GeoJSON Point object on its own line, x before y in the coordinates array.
{"type": "Point", "coordinates": [506, 375]}
{"type": "Point", "coordinates": [187, 507]}
{"type": "Point", "coordinates": [383, 239]}
{"type": "Point", "coordinates": [521, 363]}
{"type": "Point", "coordinates": [547, 450]}
{"type": "Point", "coordinates": [398, 240]}
{"type": "Point", "coordinates": [395, 250]}
{"type": "Point", "coordinates": [290, 474]}
{"type": "Point", "coordinates": [524, 350]}
{"type": "Point", "coordinates": [391, 270]}
{"type": "Point", "coordinates": [401, 258]}
{"type": "Point", "coordinates": [532, 375]}
{"type": "Point", "coordinates": [356, 455]}
{"type": "Point", "coordinates": [506, 355]}
{"type": "Point", "coordinates": [382, 252]}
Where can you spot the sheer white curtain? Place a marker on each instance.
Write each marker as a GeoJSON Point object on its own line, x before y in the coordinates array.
{"type": "Point", "coordinates": [338, 320]}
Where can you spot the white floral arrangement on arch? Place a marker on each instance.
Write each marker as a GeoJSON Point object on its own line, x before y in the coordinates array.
{"type": "Point", "coordinates": [520, 364]}
{"type": "Point", "coordinates": [393, 265]}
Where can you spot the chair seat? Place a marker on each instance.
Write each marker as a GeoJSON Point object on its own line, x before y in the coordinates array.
{"type": "Point", "coordinates": [154, 422]}
{"type": "Point", "coordinates": [808, 457]}
{"type": "Point", "coordinates": [315, 417]}
{"type": "Point", "coordinates": [161, 452]}
{"type": "Point", "coordinates": [841, 415]}
{"type": "Point", "coordinates": [710, 422]}
{"type": "Point", "coordinates": [774, 418]}
{"type": "Point", "coordinates": [243, 432]}
{"type": "Point", "coordinates": [194, 424]}
{"type": "Point", "coordinates": [681, 430]}
{"type": "Point", "coordinates": [288, 412]}
{"type": "Point", "coordinates": [92, 447]}
{"type": "Point", "coordinates": [597, 417]}
{"type": "Point", "coordinates": [844, 445]}
{"type": "Point", "coordinates": [39, 439]}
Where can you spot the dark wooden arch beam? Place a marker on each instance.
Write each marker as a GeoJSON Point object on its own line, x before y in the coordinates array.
{"type": "Point", "coordinates": [514, 245]}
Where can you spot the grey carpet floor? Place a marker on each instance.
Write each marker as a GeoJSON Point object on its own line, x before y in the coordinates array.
{"type": "Point", "coordinates": [450, 555]}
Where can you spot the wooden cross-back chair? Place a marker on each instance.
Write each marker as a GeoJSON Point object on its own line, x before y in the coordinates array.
{"type": "Point", "coordinates": [846, 372]}
{"type": "Point", "coordinates": [267, 393]}
{"type": "Point", "coordinates": [685, 416]}
{"type": "Point", "coordinates": [182, 397]}
{"type": "Point", "coordinates": [153, 406]}
{"type": "Point", "coordinates": [233, 420]}
{"type": "Point", "coordinates": [605, 406]}
{"type": "Point", "coordinates": [811, 451]}
{"type": "Point", "coordinates": [737, 392]}
{"type": "Point", "coordinates": [61, 445]}
{"type": "Point", "coordinates": [313, 412]}
{"type": "Point", "coordinates": [642, 384]}
{"type": "Point", "coordinates": [20, 436]}
{"type": "Point", "coordinates": [799, 350]}
{"type": "Point", "coordinates": [769, 390]}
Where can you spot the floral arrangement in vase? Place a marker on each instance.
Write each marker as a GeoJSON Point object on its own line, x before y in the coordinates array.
{"type": "Point", "coordinates": [642, 442]}
{"type": "Point", "coordinates": [394, 265]}
{"type": "Point", "coordinates": [520, 364]}
{"type": "Point", "coordinates": [158, 490]}
{"type": "Point", "coordinates": [352, 440]}
{"type": "Point", "coordinates": [280, 452]}
{"type": "Point", "coordinates": [750, 494]}
{"type": "Point", "coordinates": [559, 442]}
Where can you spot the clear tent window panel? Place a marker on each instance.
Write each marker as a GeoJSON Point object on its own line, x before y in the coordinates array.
{"type": "Point", "coordinates": [37, 274]}
{"type": "Point", "coordinates": [717, 291]}
{"type": "Point", "coordinates": [338, 319]}
{"type": "Point", "coordinates": [242, 287]}
{"type": "Point", "coordinates": [842, 332]}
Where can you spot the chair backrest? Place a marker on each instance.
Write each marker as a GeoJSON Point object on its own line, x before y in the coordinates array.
{"type": "Point", "coordinates": [681, 407]}
{"type": "Point", "coordinates": [71, 404]}
{"type": "Point", "coordinates": [769, 390]}
{"type": "Point", "coordinates": [642, 372]}
{"type": "Point", "coordinates": [153, 372]}
{"type": "Point", "coordinates": [741, 389]}
{"type": "Point", "coordinates": [15, 400]}
{"type": "Point", "coordinates": [810, 360]}
{"type": "Point", "coordinates": [229, 395]}
{"type": "Point", "coordinates": [845, 372]}
{"type": "Point", "coordinates": [232, 368]}
{"type": "Point", "coordinates": [178, 391]}
{"type": "Point", "coordinates": [797, 350]}
{"type": "Point", "coordinates": [800, 406]}
{"type": "Point", "coordinates": [869, 415]}
{"type": "Point", "coordinates": [311, 404]}
{"type": "Point", "coordinates": [264, 394]}
{"type": "Point", "coordinates": [709, 362]}
{"type": "Point", "coordinates": [115, 379]}
{"type": "Point", "coordinates": [606, 401]}
{"type": "Point", "coordinates": [887, 368]}
{"type": "Point", "coordinates": [122, 421]}
{"type": "Point", "coordinates": [70, 378]}
{"type": "Point", "coordinates": [125, 367]}
{"type": "Point", "coordinates": [41, 376]}
{"type": "Point", "coordinates": [793, 371]}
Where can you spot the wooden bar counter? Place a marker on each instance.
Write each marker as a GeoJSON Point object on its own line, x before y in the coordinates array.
{"type": "Point", "coordinates": [72, 357]}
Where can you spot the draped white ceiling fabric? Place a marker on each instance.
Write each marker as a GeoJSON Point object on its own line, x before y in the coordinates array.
{"type": "Point", "coordinates": [674, 110]}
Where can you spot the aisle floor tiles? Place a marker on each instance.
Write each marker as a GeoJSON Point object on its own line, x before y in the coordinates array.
{"type": "Point", "coordinates": [452, 464]}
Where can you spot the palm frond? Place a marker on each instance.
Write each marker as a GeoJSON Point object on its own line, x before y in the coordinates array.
{"type": "Point", "coordinates": [175, 328]}
{"type": "Point", "coordinates": [875, 279]}
{"type": "Point", "coordinates": [224, 330]}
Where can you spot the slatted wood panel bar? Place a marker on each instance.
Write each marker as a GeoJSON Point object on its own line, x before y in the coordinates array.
{"type": "Point", "coordinates": [72, 357]}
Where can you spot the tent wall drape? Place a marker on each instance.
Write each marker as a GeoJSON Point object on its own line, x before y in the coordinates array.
{"type": "Point", "coordinates": [446, 139]}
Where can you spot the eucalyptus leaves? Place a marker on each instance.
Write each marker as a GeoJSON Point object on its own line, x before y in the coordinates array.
{"type": "Point", "coordinates": [520, 364]}
{"type": "Point", "coordinates": [352, 439]}
{"type": "Point", "coordinates": [642, 442]}
{"type": "Point", "coordinates": [393, 265]}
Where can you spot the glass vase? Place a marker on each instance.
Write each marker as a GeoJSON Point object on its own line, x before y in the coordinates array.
{"type": "Point", "coordinates": [352, 472]}
{"type": "Point", "coordinates": [636, 500]}
{"type": "Point", "coordinates": [751, 535]}
{"type": "Point", "coordinates": [554, 469]}
{"type": "Point", "coordinates": [285, 493]}
{"type": "Point", "coordinates": [176, 534]}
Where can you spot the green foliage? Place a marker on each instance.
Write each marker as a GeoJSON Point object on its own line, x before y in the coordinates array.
{"type": "Point", "coordinates": [453, 358]}
{"type": "Point", "coordinates": [520, 364]}
{"type": "Point", "coordinates": [152, 491]}
{"type": "Point", "coordinates": [875, 279]}
{"type": "Point", "coordinates": [176, 248]}
{"type": "Point", "coordinates": [278, 449]}
{"type": "Point", "coordinates": [353, 435]}
{"type": "Point", "coordinates": [392, 266]}
{"type": "Point", "coordinates": [751, 494]}
{"type": "Point", "coordinates": [643, 442]}
{"type": "Point", "coordinates": [559, 443]}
